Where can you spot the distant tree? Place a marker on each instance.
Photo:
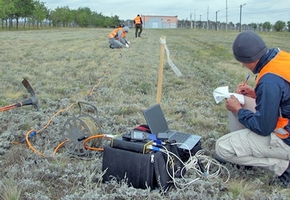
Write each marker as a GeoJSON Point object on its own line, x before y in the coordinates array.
{"type": "Point", "coordinates": [279, 26]}
{"type": "Point", "coordinates": [55, 17]}
{"type": "Point", "coordinates": [288, 25]}
{"type": "Point", "coordinates": [267, 26]}
{"type": "Point", "coordinates": [116, 20]}
{"type": "Point", "coordinates": [39, 13]}
{"type": "Point", "coordinates": [254, 26]}
{"type": "Point", "coordinates": [238, 24]}
{"type": "Point", "coordinates": [110, 21]}
{"type": "Point", "coordinates": [2, 12]}
{"type": "Point", "coordinates": [231, 26]}
{"type": "Point", "coordinates": [82, 16]}
{"type": "Point", "coordinates": [97, 19]}
{"type": "Point", "coordinates": [61, 16]}
{"type": "Point", "coordinates": [260, 25]}
{"type": "Point", "coordinates": [7, 9]}
{"type": "Point", "coordinates": [23, 9]}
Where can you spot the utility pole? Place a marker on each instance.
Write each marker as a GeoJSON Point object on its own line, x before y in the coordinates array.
{"type": "Point", "coordinates": [241, 6]}
{"type": "Point", "coordinates": [191, 20]}
{"type": "Point", "coordinates": [194, 19]}
{"type": "Point", "coordinates": [226, 15]}
{"type": "Point", "coordinates": [207, 18]}
{"type": "Point", "coordinates": [216, 19]}
{"type": "Point", "coordinates": [200, 21]}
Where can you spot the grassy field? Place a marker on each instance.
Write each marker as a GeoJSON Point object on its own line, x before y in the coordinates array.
{"type": "Point", "coordinates": [65, 66]}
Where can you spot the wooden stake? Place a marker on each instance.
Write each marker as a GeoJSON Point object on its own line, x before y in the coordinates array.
{"type": "Point", "coordinates": [160, 72]}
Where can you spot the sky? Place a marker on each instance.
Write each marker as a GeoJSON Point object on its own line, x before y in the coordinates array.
{"type": "Point", "coordinates": [257, 11]}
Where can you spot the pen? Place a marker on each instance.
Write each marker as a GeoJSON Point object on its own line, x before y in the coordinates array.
{"type": "Point", "coordinates": [244, 83]}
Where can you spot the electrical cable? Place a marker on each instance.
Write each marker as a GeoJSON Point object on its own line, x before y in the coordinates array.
{"type": "Point", "coordinates": [47, 124]}
{"type": "Point", "coordinates": [100, 80]}
{"type": "Point", "coordinates": [9, 107]}
{"type": "Point", "coordinates": [194, 160]}
{"type": "Point", "coordinates": [93, 137]}
{"type": "Point", "coordinates": [28, 134]}
{"type": "Point", "coordinates": [201, 164]}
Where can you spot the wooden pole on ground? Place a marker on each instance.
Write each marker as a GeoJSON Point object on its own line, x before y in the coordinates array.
{"type": "Point", "coordinates": [160, 72]}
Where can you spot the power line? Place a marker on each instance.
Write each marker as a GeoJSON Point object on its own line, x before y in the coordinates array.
{"type": "Point", "coordinates": [269, 12]}
{"type": "Point", "coordinates": [233, 11]}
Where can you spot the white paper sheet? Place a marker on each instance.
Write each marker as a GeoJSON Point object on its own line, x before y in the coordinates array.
{"type": "Point", "coordinates": [221, 93]}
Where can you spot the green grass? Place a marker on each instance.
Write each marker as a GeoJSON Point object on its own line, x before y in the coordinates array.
{"type": "Point", "coordinates": [70, 65]}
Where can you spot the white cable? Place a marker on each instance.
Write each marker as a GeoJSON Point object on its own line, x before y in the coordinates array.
{"type": "Point", "coordinates": [171, 64]}
{"type": "Point", "coordinates": [177, 182]}
{"type": "Point", "coordinates": [192, 164]}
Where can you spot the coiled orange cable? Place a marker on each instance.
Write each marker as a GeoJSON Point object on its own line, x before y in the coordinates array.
{"type": "Point", "coordinates": [62, 143]}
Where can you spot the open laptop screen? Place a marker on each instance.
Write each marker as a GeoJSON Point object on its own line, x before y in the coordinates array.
{"type": "Point", "coordinates": [155, 119]}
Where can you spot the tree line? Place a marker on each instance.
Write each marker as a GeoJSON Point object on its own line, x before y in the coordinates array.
{"type": "Point", "coordinates": [35, 13]}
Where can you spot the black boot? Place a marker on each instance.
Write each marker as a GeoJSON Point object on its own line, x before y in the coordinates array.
{"type": "Point", "coordinates": [219, 159]}
{"type": "Point", "coordinates": [283, 180]}
{"type": "Point", "coordinates": [222, 161]}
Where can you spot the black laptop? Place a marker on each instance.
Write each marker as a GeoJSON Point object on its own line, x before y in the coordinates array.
{"type": "Point", "coordinates": [157, 123]}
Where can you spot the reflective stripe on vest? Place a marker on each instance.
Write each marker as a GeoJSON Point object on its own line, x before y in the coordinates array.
{"type": "Point", "coordinates": [280, 66]}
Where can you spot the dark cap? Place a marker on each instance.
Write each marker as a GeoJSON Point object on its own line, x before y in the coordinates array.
{"type": "Point", "coordinates": [249, 47]}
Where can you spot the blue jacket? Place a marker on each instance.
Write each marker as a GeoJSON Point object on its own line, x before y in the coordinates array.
{"type": "Point", "coordinates": [272, 92]}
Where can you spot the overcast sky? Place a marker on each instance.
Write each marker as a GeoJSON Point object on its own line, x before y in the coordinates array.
{"type": "Point", "coordinates": [257, 11]}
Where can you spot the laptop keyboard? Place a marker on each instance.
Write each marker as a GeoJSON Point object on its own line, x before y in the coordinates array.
{"type": "Point", "coordinates": [179, 137]}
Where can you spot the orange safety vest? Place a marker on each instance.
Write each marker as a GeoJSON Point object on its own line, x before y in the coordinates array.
{"type": "Point", "coordinates": [137, 20]}
{"type": "Point", "coordinates": [114, 33]}
{"type": "Point", "coordinates": [280, 66]}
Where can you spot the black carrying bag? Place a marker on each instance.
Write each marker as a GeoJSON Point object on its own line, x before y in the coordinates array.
{"type": "Point", "coordinates": [137, 169]}
{"type": "Point", "coordinates": [126, 160]}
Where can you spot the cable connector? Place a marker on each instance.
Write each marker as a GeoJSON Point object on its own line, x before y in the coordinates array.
{"type": "Point", "coordinates": [33, 133]}
{"type": "Point", "coordinates": [152, 148]}
{"type": "Point", "coordinates": [159, 142]}
{"type": "Point", "coordinates": [110, 136]}
{"type": "Point", "coordinates": [156, 144]}
{"type": "Point", "coordinates": [202, 168]}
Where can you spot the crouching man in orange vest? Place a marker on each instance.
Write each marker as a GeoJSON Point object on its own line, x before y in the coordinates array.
{"type": "Point", "coordinates": [117, 38]}
{"type": "Point", "coordinates": [264, 139]}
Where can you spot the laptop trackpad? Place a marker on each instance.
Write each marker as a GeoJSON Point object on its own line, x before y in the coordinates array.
{"type": "Point", "coordinates": [190, 142]}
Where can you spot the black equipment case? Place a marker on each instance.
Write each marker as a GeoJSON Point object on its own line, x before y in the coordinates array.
{"type": "Point", "coordinates": [139, 170]}
{"type": "Point", "coordinates": [129, 161]}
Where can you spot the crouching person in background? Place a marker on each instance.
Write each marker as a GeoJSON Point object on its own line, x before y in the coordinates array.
{"type": "Point", "coordinates": [117, 38]}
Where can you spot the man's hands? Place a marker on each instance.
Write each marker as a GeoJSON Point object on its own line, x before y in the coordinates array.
{"type": "Point", "coordinates": [127, 44]}
{"type": "Point", "coordinates": [233, 104]}
{"type": "Point", "coordinates": [246, 90]}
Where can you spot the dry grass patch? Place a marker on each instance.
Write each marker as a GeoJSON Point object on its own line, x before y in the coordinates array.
{"type": "Point", "coordinates": [11, 190]}
{"type": "Point", "coordinates": [242, 189]}
{"type": "Point", "coordinates": [65, 66]}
